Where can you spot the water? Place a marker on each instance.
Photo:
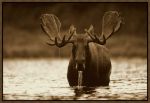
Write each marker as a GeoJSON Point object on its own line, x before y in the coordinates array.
{"type": "Point", "coordinates": [45, 79]}
{"type": "Point", "coordinates": [79, 79]}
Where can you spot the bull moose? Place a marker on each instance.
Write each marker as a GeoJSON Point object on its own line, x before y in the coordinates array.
{"type": "Point", "coordinates": [89, 54]}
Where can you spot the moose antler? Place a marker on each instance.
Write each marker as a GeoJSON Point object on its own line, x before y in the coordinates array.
{"type": "Point", "coordinates": [64, 41]}
{"type": "Point", "coordinates": [94, 37]}
{"type": "Point", "coordinates": [110, 24]}
{"type": "Point", "coordinates": [51, 26]}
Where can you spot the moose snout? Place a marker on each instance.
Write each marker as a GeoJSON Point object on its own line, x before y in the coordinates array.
{"type": "Point", "coordinates": [80, 60]}
{"type": "Point", "coordinates": [80, 64]}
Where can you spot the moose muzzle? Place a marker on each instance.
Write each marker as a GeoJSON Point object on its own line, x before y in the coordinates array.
{"type": "Point", "coordinates": [80, 67]}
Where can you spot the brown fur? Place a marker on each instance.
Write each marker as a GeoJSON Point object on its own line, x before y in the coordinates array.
{"type": "Point", "coordinates": [97, 67]}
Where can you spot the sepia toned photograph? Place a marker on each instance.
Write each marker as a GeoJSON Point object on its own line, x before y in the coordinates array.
{"type": "Point", "coordinates": [75, 50]}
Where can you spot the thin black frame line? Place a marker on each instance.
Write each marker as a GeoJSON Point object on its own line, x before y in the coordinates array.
{"type": "Point", "coordinates": [76, 2]}
{"type": "Point", "coordinates": [2, 52]}
{"type": "Point", "coordinates": [147, 53]}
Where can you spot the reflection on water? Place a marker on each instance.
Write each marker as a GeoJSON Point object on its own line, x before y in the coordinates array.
{"type": "Point", "coordinates": [45, 79]}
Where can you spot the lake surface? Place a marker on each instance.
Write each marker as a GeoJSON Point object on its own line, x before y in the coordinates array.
{"type": "Point", "coordinates": [45, 79]}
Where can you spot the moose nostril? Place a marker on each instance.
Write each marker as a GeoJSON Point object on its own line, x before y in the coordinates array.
{"type": "Point", "coordinates": [83, 60]}
{"type": "Point", "coordinates": [80, 61]}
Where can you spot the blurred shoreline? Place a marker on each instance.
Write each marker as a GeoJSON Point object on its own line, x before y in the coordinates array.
{"type": "Point", "coordinates": [24, 44]}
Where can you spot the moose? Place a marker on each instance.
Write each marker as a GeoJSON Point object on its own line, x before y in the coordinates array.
{"type": "Point", "coordinates": [89, 53]}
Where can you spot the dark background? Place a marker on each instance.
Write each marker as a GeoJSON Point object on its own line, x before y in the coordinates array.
{"type": "Point", "coordinates": [23, 37]}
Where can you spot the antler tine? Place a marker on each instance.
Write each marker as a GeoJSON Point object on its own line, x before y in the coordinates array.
{"type": "Point", "coordinates": [72, 30]}
{"type": "Point", "coordinates": [50, 44]}
{"type": "Point", "coordinates": [95, 38]}
{"type": "Point", "coordinates": [89, 34]}
{"type": "Point", "coordinates": [64, 41]}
